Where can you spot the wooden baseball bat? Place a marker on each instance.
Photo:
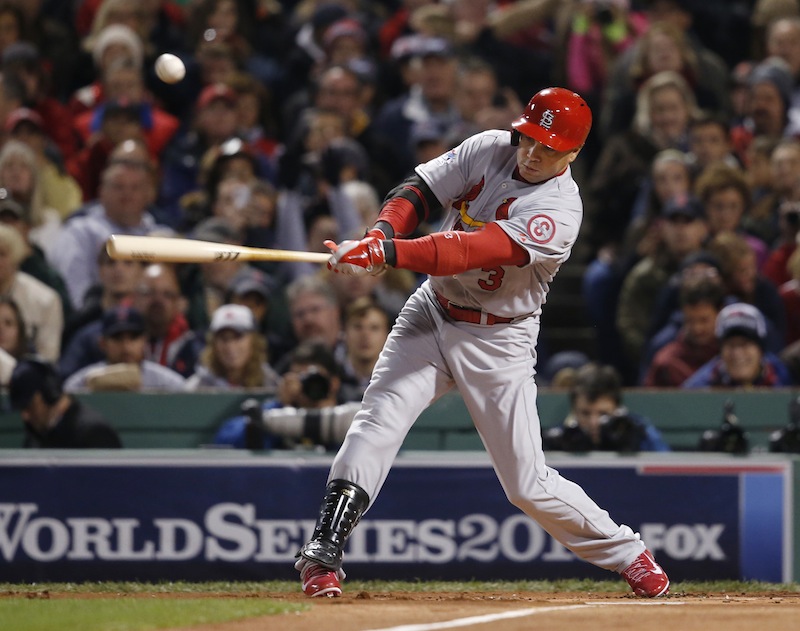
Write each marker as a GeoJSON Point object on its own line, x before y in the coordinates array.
{"type": "Point", "coordinates": [181, 250]}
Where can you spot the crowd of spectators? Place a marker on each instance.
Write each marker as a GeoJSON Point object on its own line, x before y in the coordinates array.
{"type": "Point", "coordinates": [295, 118]}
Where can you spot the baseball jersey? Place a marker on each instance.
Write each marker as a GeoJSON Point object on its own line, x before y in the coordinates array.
{"type": "Point", "coordinates": [476, 185]}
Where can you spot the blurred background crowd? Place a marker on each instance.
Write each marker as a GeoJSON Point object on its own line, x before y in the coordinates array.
{"type": "Point", "coordinates": [295, 119]}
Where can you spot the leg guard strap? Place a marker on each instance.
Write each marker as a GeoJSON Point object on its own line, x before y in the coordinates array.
{"type": "Point", "coordinates": [341, 510]}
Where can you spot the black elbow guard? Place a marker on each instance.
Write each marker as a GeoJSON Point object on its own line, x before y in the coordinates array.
{"type": "Point", "coordinates": [415, 190]}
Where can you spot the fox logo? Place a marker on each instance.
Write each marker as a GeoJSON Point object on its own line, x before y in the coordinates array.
{"type": "Point", "coordinates": [547, 119]}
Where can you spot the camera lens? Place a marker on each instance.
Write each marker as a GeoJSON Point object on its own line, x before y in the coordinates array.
{"type": "Point", "coordinates": [315, 385]}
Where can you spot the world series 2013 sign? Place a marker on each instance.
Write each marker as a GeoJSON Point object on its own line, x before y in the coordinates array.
{"type": "Point", "coordinates": [84, 518]}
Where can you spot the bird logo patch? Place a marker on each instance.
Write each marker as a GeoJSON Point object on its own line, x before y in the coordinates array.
{"type": "Point", "coordinates": [541, 229]}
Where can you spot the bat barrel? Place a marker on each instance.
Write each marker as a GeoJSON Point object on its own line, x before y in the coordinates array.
{"type": "Point", "coordinates": [182, 250]}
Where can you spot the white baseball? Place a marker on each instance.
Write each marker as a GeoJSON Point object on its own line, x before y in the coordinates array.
{"type": "Point", "coordinates": [170, 68]}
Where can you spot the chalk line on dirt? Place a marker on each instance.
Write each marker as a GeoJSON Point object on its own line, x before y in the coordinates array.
{"type": "Point", "coordinates": [507, 615]}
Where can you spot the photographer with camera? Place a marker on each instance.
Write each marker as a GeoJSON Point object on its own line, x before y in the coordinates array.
{"type": "Point", "coordinates": [598, 421]}
{"type": "Point", "coordinates": [306, 413]}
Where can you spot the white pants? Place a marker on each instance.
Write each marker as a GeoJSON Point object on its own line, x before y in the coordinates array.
{"type": "Point", "coordinates": [425, 356]}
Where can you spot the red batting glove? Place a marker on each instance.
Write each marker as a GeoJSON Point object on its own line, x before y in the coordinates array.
{"type": "Point", "coordinates": [357, 258]}
{"type": "Point", "coordinates": [375, 232]}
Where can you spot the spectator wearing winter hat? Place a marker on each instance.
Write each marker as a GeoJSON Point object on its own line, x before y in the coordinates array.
{"type": "Point", "coordinates": [115, 41]}
{"type": "Point", "coordinates": [742, 360]}
{"type": "Point", "coordinates": [123, 82]}
{"type": "Point", "coordinates": [769, 106]}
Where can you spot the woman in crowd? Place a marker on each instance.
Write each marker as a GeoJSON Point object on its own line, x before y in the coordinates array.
{"type": "Point", "coordinates": [235, 356]}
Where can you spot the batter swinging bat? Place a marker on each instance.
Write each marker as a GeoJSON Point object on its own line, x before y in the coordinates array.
{"type": "Point", "coordinates": [180, 250]}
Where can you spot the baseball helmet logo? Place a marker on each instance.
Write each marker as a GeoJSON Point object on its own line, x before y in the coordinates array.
{"type": "Point", "coordinates": [541, 229]}
{"type": "Point", "coordinates": [556, 117]}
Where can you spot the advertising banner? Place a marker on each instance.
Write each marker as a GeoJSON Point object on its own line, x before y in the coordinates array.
{"type": "Point", "coordinates": [154, 519]}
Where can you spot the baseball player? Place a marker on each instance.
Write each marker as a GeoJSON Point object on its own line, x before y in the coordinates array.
{"type": "Point", "coordinates": [512, 213]}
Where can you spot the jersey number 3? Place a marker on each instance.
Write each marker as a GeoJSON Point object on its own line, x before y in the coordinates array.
{"type": "Point", "coordinates": [493, 281]}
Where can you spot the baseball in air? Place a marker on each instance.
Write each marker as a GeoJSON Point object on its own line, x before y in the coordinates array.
{"type": "Point", "coordinates": [170, 68]}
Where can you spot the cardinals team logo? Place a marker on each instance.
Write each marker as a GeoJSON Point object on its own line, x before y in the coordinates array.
{"type": "Point", "coordinates": [541, 229]}
{"type": "Point", "coordinates": [462, 206]}
{"type": "Point", "coordinates": [547, 119]}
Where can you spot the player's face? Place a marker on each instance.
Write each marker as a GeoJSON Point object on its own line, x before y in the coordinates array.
{"type": "Point", "coordinates": [538, 162]}
{"type": "Point", "coordinates": [742, 358]}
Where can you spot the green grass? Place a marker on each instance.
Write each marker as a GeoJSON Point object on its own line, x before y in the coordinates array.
{"type": "Point", "coordinates": [128, 614]}
{"type": "Point", "coordinates": [122, 607]}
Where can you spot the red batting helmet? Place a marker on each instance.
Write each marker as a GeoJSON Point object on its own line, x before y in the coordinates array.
{"type": "Point", "coordinates": [556, 117]}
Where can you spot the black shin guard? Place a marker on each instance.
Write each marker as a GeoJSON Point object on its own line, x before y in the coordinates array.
{"type": "Point", "coordinates": [341, 509]}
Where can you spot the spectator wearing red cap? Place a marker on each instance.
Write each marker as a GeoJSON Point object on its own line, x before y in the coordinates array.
{"type": "Point", "coordinates": [214, 121]}
{"type": "Point", "coordinates": [59, 190]}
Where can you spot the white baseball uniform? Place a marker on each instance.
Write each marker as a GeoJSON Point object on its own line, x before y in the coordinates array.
{"type": "Point", "coordinates": [492, 365]}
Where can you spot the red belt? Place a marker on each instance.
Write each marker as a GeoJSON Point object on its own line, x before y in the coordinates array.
{"type": "Point", "coordinates": [465, 314]}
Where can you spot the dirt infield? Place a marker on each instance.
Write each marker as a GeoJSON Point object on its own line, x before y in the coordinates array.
{"type": "Point", "coordinates": [515, 612]}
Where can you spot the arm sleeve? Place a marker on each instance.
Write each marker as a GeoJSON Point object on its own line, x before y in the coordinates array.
{"type": "Point", "coordinates": [453, 252]}
{"type": "Point", "coordinates": [406, 206]}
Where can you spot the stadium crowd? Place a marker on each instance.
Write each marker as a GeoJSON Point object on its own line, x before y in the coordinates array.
{"type": "Point", "coordinates": [296, 118]}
